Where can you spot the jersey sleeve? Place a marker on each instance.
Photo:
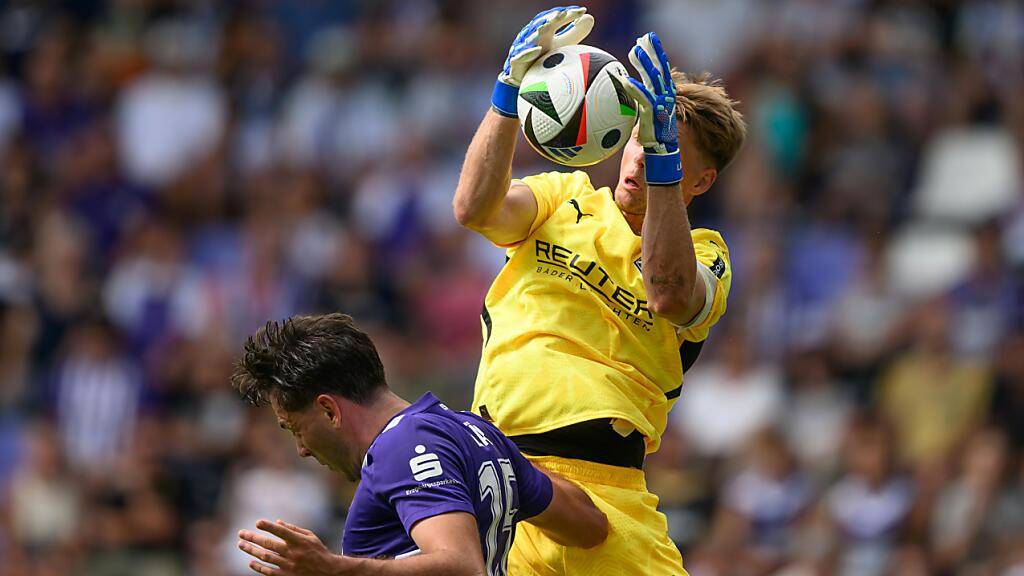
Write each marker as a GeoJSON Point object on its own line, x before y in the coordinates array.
{"type": "Point", "coordinates": [423, 475]}
{"type": "Point", "coordinates": [535, 490]}
{"type": "Point", "coordinates": [551, 190]}
{"type": "Point", "coordinates": [715, 270]}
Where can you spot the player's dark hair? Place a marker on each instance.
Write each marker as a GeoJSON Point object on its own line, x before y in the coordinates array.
{"type": "Point", "coordinates": [302, 357]}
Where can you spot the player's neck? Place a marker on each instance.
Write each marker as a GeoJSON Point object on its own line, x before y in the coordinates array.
{"type": "Point", "coordinates": [376, 417]}
{"type": "Point", "coordinates": [635, 221]}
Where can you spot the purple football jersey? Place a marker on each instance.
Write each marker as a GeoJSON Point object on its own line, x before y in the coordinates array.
{"type": "Point", "coordinates": [430, 460]}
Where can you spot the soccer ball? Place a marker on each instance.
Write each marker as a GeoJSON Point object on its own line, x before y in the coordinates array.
{"type": "Point", "coordinates": [573, 107]}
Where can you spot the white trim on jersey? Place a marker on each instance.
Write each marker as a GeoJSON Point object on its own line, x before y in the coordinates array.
{"type": "Point", "coordinates": [415, 552]}
{"type": "Point", "coordinates": [710, 285]}
{"type": "Point", "coordinates": [394, 422]}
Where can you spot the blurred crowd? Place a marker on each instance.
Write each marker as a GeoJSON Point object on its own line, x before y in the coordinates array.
{"type": "Point", "coordinates": [173, 173]}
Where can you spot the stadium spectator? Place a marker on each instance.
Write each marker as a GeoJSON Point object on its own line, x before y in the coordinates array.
{"type": "Point", "coordinates": [175, 114]}
{"type": "Point", "coordinates": [961, 524]}
{"type": "Point", "coordinates": [756, 525]}
{"type": "Point", "coordinates": [931, 398]}
{"type": "Point", "coordinates": [819, 411]}
{"type": "Point", "coordinates": [866, 512]}
{"type": "Point", "coordinates": [97, 398]}
{"type": "Point", "coordinates": [730, 399]}
{"type": "Point", "coordinates": [46, 503]}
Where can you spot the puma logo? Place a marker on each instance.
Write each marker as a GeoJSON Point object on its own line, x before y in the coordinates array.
{"type": "Point", "coordinates": [579, 212]}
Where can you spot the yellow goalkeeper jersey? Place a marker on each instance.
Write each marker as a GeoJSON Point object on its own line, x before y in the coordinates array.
{"type": "Point", "coordinates": [567, 333]}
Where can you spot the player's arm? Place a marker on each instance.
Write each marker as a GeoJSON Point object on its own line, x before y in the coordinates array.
{"type": "Point", "coordinates": [485, 200]}
{"type": "Point", "coordinates": [450, 544]}
{"type": "Point", "coordinates": [296, 551]}
{"type": "Point", "coordinates": [571, 519]}
{"type": "Point", "coordinates": [670, 269]}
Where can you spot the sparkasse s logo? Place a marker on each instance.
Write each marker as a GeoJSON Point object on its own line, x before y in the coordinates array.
{"type": "Point", "coordinates": [424, 466]}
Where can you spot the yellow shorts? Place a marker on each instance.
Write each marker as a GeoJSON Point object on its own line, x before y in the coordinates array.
{"type": "Point", "coordinates": [637, 544]}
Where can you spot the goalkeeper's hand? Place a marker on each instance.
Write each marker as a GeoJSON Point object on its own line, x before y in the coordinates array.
{"type": "Point", "coordinates": [656, 97]}
{"type": "Point", "coordinates": [540, 36]}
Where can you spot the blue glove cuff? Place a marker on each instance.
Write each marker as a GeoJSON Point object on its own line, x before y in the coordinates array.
{"type": "Point", "coordinates": [503, 99]}
{"type": "Point", "coordinates": [663, 169]}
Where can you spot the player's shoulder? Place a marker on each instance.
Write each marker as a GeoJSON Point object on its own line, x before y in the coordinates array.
{"type": "Point", "coordinates": [416, 423]}
{"type": "Point", "coordinates": [712, 238]}
{"type": "Point", "coordinates": [418, 434]}
{"type": "Point", "coordinates": [712, 251]}
{"type": "Point", "coordinates": [575, 182]}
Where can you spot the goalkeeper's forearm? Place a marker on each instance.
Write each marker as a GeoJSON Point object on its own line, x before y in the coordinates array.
{"type": "Point", "coordinates": [670, 265]}
{"type": "Point", "coordinates": [487, 171]}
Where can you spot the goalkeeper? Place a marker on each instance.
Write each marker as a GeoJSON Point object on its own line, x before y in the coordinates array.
{"type": "Point", "coordinates": [606, 296]}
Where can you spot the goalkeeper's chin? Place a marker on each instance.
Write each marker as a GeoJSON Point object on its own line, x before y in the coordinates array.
{"type": "Point", "coordinates": [631, 196]}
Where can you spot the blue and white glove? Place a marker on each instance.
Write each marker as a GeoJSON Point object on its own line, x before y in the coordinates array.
{"type": "Point", "coordinates": [656, 97]}
{"type": "Point", "coordinates": [540, 36]}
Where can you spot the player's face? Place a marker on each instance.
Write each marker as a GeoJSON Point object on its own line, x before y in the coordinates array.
{"type": "Point", "coordinates": [631, 189]}
{"type": "Point", "coordinates": [316, 436]}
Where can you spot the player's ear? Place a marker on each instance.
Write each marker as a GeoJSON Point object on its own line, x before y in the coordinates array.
{"type": "Point", "coordinates": [328, 406]}
{"type": "Point", "coordinates": [704, 182]}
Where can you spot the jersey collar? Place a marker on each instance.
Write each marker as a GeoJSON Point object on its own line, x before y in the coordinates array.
{"type": "Point", "coordinates": [426, 401]}
{"type": "Point", "coordinates": [422, 404]}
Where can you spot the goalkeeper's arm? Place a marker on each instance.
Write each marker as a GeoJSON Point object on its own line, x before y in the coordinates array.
{"type": "Point", "coordinates": [484, 202]}
{"type": "Point", "coordinates": [670, 270]}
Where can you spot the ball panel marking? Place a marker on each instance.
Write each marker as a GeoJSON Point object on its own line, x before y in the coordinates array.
{"type": "Point", "coordinates": [583, 114]}
{"type": "Point", "coordinates": [596, 62]}
{"type": "Point", "coordinates": [539, 96]}
{"type": "Point", "coordinates": [611, 138]}
{"type": "Point", "coordinates": [554, 60]}
{"type": "Point", "coordinates": [531, 137]}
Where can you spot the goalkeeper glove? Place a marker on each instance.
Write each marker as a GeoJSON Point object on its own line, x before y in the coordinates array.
{"type": "Point", "coordinates": [540, 36]}
{"type": "Point", "coordinates": [656, 97]}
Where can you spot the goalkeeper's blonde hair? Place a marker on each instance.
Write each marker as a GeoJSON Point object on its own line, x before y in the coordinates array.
{"type": "Point", "coordinates": [703, 105]}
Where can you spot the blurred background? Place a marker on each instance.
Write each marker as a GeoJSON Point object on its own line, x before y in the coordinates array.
{"type": "Point", "coordinates": [173, 173]}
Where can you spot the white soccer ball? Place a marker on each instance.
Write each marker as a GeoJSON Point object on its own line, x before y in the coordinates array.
{"type": "Point", "coordinates": [573, 108]}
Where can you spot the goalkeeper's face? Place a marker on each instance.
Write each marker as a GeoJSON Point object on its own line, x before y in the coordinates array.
{"type": "Point", "coordinates": [631, 189]}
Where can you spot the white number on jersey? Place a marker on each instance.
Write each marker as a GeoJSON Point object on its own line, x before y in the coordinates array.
{"type": "Point", "coordinates": [500, 491]}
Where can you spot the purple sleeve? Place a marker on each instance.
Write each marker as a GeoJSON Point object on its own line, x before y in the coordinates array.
{"type": "Point", "coordinates": [422, 475]}
{"type": "Point", "coordinates": [534, 487]}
